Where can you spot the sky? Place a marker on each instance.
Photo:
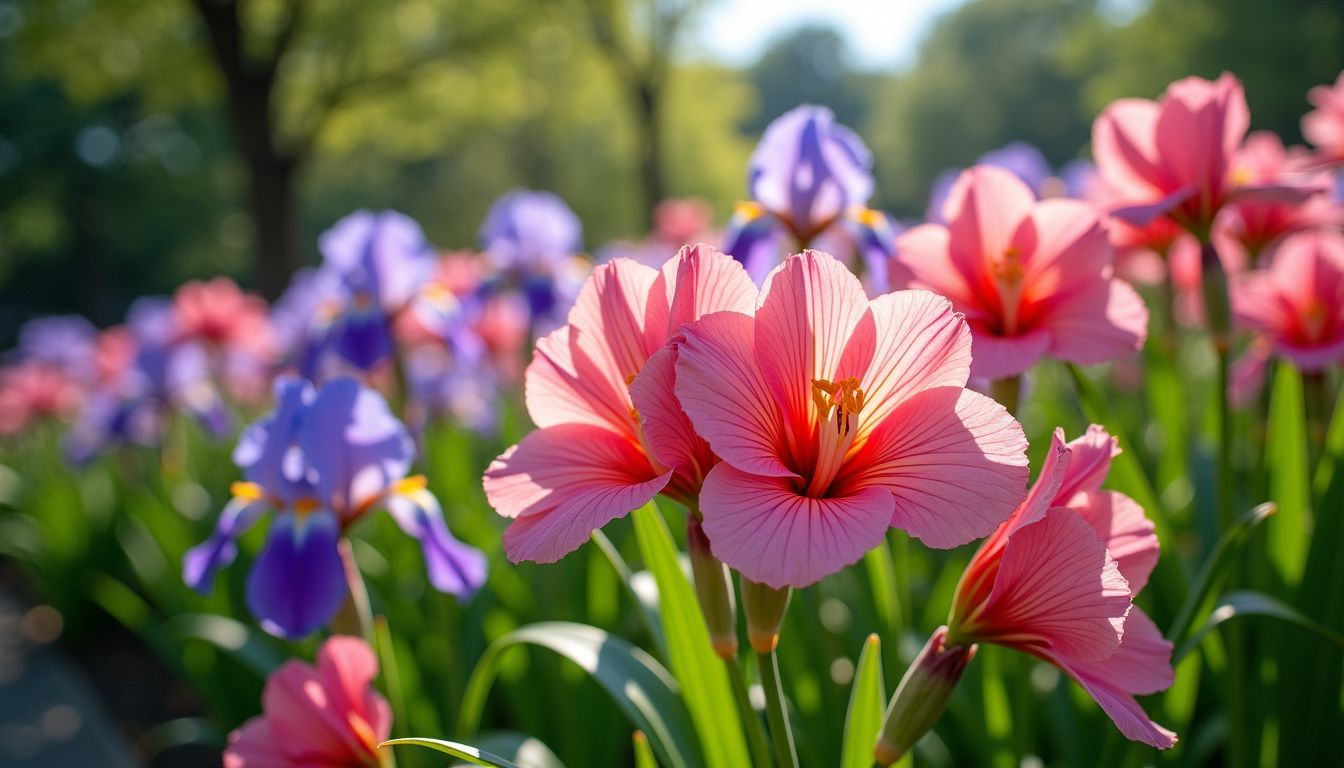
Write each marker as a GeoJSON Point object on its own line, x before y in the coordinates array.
{"type": "Point", "coordinates": [883, 34]}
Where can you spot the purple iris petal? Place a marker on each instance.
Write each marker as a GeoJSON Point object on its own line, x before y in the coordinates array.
{"type": "Point", "coordinates": [453, 567]}
{"type": "Point", "coordinates": [755, 240]}
{"type": "Point", "coordinates": [267, 449]}
{"type": "Point", "coordinates": [382, 258]}
{"type": "Point", "coordinates": [66, 342]}
{"type": "Point", "coordinates": [808, 169]}
{"type": "Point", "coordinates": [354, 445]}
{"type": "Point", "coordinates": [201, 561]}
{"type": "Point", "coordinates": [530, 230]}
{"type": "Point", "coordinates": [362, 337]}
{"type": "Point", "coordinates": [298, 583]}
{"type": "Point", "coordinates": [1022, 159]}
{"type": "Point", "coordinates": [1079, 177]}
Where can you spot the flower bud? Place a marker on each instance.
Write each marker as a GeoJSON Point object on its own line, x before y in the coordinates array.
{"type": "Point", "coordinates": [922, 696]}
{"type": "Point", "coordinates": [714, 587]}
{"type": "Point", "coordinates": [764, 608]}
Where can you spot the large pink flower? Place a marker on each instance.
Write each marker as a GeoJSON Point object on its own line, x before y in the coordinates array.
{"type": "Point", "coordinates": [836, 418]}
{"type": "Point", "coordinates": [1298, 302]}
{"type": "Point", "coordinates": [1057, 580]}
{"type": "Point", "coordinates": [611, 436]}
{"type": "Point", "coordinates": [1324, 126]}
{"type": "Point", "coordinates": [1255, 224]}
{"type": "Point", "coordinates": [1033, 278]}
{"type": "Point", "coordinates": [327, 716]}
{"type": "Point", "coordinates": [1174, 157]}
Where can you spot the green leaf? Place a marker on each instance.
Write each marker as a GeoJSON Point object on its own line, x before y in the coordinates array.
{"type": "Point", "coordinates": [703, 678]}
{"type": "Point", "coordinates": [643, 755]}
{"type": "Point", "coordinates": [233, 637]}
{"type": "Point", "coordinates": [1248, 603]}
{"type": "Point", "coordinates": [1289, 474]}
{"type": "Point", "coordinates": [618, 564]}
{"type": "Point", "coordinates": [471, 754]}
{"type": "Point", "coordinates": [526, 751]}
{"type": "Point", "coordinates": [639, 685]}
{"type": "Point", "coordinates": [1215, 568]}
{"type": "Point", "coordinates": [866, 701]}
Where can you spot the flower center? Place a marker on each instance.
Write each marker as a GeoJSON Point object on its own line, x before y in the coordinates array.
{"type": "Point", "coordinates": [1313, 319]}
{"type": "Point", "coordinates": [838, 405]}
{"type": "Point", "coordinates": [1008, 272]}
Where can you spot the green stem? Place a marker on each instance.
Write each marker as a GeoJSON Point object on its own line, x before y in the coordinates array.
{"type": "Point", "coordinates": [751, 722]}
{"type": "Point", "coordinates": [785, 754]}
{"type": "Point", "coordinates": [355, 617]}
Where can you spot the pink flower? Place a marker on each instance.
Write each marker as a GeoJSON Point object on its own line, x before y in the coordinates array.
{"type": "Point", "coordinates": [1057, 580]}
{"type": "Point", "coordinates": [218, 312]}
{"type": "Point", "coordinates": [1324, 126]}
{"type": "Point", "coordinates": [836, 418]}
{"type": "Point", "coordinates": [1298, 302]}
{"type": "Point", "coordinates": [325, 716]}
{"type": "Point", "coordinates": [1033, 278]}
{"type": "Point", "coordinates": [611, 435]}
{"type": "Point", "coordinates": [1174, 157]}
{"type": "Point", "coordinates": [32, 391]}
{"type": "Point", "coordinates": [1254, 223]}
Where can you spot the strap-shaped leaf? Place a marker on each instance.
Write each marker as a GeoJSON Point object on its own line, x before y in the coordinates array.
{"type": "Point", "coordinates": [1248, 603]}
{"type": "Point", "coordinates": [866, 700]}
{"type": "Point", "coordinates": [639, 685]}
{"type": "Point", "coordinates": [466, 752]}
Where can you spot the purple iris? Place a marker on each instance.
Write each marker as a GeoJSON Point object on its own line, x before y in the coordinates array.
{"type": "Point", "coordinates": [809, 170]}
{"type": "Point", "coordinates": [320, 461]}
{"type": "Point", "coordinates": [66, 342]}
{"type": "Point", "coordinates": [381, 261]}
{"type": "Point", "coordinates": [531, 238]}
{"type": "Point", "coordinates": [166, 375]}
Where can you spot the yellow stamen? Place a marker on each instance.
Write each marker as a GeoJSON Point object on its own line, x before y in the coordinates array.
{"type": "Point", "coordinates": [408, 485]}
{"type": "Point", "coordinates": [871, 218]}
{"type": "Point", "coordinates": [844, 396]}
{"type": "Point", "coordinates": [1008, 273]}
{"type": "Point", "coordinates": [247, 491]}
{"type": "Point", "coordinates": [749, 210]}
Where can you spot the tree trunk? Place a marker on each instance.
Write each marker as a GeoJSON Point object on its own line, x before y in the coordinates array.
{"type": "Point", "coordinates": [274, 206]}
{"type": "Point", "coordinates": [650, 148]}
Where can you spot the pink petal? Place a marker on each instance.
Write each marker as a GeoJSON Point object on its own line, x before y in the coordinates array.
{"type": "Point", "coordinates": [1089, 462]}
{"type": "Point", "coordinates": [723, 391]}
{"type": "Point", "coordinates": [1143, 214]}
{"type": "Point", "coordinates": [1285, 192]}
{"type": "Point", "coordinates": [1105, 322]}
{"type": "Point", "coordinates": [1141, 665]}
{"type": "Point", "coordinates": [306, 719]}
{"type": "Point", "coordinates": [811, 306]}
{"type": "Point", "coordinates": [762, 527]}
{"type": "Point", "coordinates": [1058, 589]}
{"type": "Point", "coordinates": [610, 317]}
{"type": "Point", "coordinates": [1199, 129]}
{"type": "Point", "coordinates": [994, 356]}
{"type": "Point", "coordinates": [984, 208]}
{"type": "Point", "coordinates": [348, 665]}
{"type": "Point", "coordinates": [562, 483]}
{"type": "Point", "coordinates": [702, 280]}
{"type": "Point", "coordinates": [253, 746]}
{"type": "Point", "coordinates": [909, 341]}
{"type": "Point", "coordinates": [563, 385]}
{"type": "Point", "coordinates": [924, 260]}
{"type": "Point", "coordinates": [1126, 531]}
{"type": "Point", "coordinates": [1124, 146]}
{"type": "Point", "coordinates": [1064, 249]}
{"type": "Point", "coordinates": [667, 429]}
{"type": "Point", "coordinates": [955, 461]}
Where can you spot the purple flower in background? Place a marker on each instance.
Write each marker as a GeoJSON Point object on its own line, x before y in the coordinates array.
{"type": "Point", "coordinates": [319, 462]}
{"type": "Point", "coordinates": [807, 174]}
{"type": "Point", "coordinates": [381, 260]}
{"type": "Point", "coordinates": [532, 238]}
{"type": "Point", "coordinates": [441, 382]}
{"type": "Point", "coordinates": [66, 342]}
{"type": "Point", "coordinates": [165, 375]}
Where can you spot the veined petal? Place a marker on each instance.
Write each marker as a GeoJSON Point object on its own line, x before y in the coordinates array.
{"type": "Point", "coordinates": [1057, 589]}
{"type": "Point", "coordinates": [954, 460]}
{"type": "Point", "coordinates": [565, 386]}
{"type": "Point", "coordinates": [201, 561]}
{"type": "Point", "coordinates": [764, 528]}
{"type": "Point", "coordinates": [1128, 534]}
{"type": "Point", "coordinates": [924, 260]}
{"type": "Point", "coordinates": [811, 306]}
{"type": "Point", "coordinates": [722, 389]}
{"type": "Point", "coordinates": [909, 341]}
{"type": "Point", "coordinates": [1142, 664]}
{"type": "Point", "coordinates": [701, 280]}
{"type": "Point", "coordinates": [1064, 249]}
{"type": "Point", "coordinates": [454, 567]}
{"type": "Point", "coordinates": [1089, 463]}
{"type": "Point", "coordinates": [608, 322]}
{"type": "Point", "coordinates": [298, 582]}
{"type": "Point", "coordinates": [667, 429]}
{"type": "Point", "coordinates": [562, 483]}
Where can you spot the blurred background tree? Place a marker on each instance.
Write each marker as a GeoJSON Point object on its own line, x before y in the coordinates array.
{"type": "Point", "coordinates": [142, 144]}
